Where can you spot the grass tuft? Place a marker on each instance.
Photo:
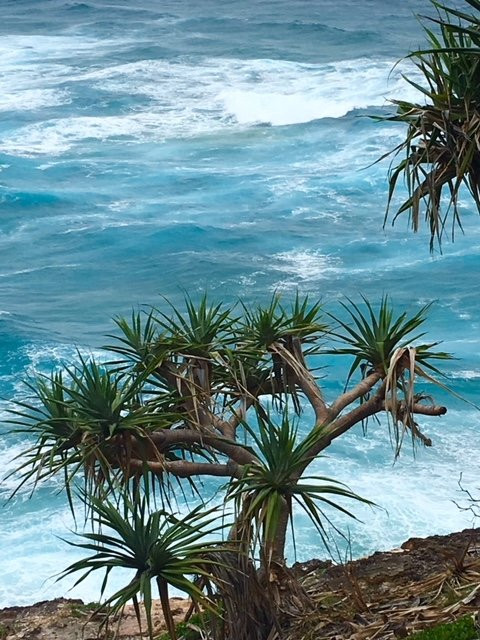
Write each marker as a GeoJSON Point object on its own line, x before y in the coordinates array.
{"type": "Point", "coordinates": [463, 629]}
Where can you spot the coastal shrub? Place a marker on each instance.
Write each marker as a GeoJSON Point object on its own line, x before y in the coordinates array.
{"type": "Point", "coordinates": [217, 391]}
{"type": "Point", "coordinates": [463, 629]}
{"type": "Point", "coordinates": [188, 630]}
{"type": "Point", "coordinates": [160, 549]}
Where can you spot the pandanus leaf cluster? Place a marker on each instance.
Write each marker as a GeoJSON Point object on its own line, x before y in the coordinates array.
{"type": "Point", "coordinates": [440, 154]}
{"type": "Point", "coordinates": [272, 486]}
{"type": "Point", "coordinates": [158, 548]}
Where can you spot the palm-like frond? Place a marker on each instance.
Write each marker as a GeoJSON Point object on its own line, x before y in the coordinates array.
{"type": "Point", "coordinates": [297, 330]}
{"type": "Point", "coordinates": [304, 320]}
{"type": "Point", "coordinates": [138, 341]}
{"type": "Point", "coordinates": [442, 146]}
{"type": "Point", "coordinates": [240, 371]}
{"type": "Point", "coordinates": [372, 338]}
{"type": "Point", "coordinates": [155, 546]}
{"type": "Point", "coordinates": [50, 417]}
{"type": "Point", "coordinates": [82, 420]}
{"type": "Point", "coordinates": [268, 488]}
{"type": "Point", "coordinates": [202, 329]}
{"type": "Point", "coordinates": [264, 325]}
{"type": "Point", "coordinates": [383, 342]}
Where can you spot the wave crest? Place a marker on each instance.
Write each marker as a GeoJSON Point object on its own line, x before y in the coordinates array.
{"type": "Point", "coordinates": [175, 99]}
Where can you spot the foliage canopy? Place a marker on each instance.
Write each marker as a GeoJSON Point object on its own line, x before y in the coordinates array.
{"type": "Point", "coordinates": [216, 390]}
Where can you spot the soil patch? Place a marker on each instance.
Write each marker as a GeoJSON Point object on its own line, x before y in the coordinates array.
{"type": "Point", "coordinates": [385, 596]}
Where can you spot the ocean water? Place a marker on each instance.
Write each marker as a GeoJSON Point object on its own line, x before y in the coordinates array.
{"type": "Point", "coordinates": [151, 147]}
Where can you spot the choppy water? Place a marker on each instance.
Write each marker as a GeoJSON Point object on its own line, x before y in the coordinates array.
{"type": "Point", "coordinates": [150, 146]}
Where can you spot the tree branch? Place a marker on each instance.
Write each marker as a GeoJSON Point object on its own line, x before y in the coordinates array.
{"type": "Point", "coordinates": [167, 437]}
{"type": "Point", "coordinates": [195, 397]}
{"type": "Point", "coordinates": [406, 415]}
{"type": "Point", "coordinates": [374, 405]}
{"type": "Point", "coordinates": [416, 407]}
{"type": "Point", "coordinates": [306, 382]}
{"type": "Point", "coordinates": [361, 389]}
{"type": "Point", "coordinates": [418, 434]}
{"type": "Point", "coordinates": [428, 410]}
{"type": "Point", "coordinates": [187, 468]}
{"type": "Point", "coordinates": [328, 432]}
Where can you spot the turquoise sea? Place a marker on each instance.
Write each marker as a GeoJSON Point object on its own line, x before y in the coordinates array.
{"type": "Point", "coordinates": [152, 146]}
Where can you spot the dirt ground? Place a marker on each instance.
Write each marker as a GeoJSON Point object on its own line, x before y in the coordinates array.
{"type": "Point", "coordinates": [385, 596]}
{"type": "Point", "coordinates": [392, 594]}
{"type": "Point", "coordinates": [63, 619]}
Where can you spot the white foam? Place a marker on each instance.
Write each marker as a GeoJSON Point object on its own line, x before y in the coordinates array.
{"type": "Point", "coordinates": [341, 158]}
{"type": "Point", "coordinates": [277, 92]}
{"type": "Point", "coordinates": [419, 495]}
{"type": "Point", "coordinates": [34, 555]}
{"type": "Point", "coordinates": [43, 357]}
{"type": "Point", "coordinates": [302, 266]}
{"type": "Point", "coordinates": [34, 552]}
{"type": "Point", "coordinates": [10, 479]}
{"type": "Point", "coordinates": [292, 93]}
{"type": "Point", "coordinates": [34, 68]}
{"type": "Point", "coordinates": [19, 272]}
{"type": "Point", "coordinates": [59, 135]}
{"type": "Point", "coordinates": [26, 48]}
{"type": "Point", "coordinates": [468, 374]}
{"type": "Point", "coordinates": [213, 95]}
{"type": "Point", "coordinates": [28, 78]}
{"type": "Point", "coordinates": [32, 99]}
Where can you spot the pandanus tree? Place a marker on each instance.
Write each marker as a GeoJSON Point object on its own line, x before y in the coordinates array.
{"type": "Point", "coordinates": [440, 154]}
{"type": "Point", "coordinates": [219, 391]}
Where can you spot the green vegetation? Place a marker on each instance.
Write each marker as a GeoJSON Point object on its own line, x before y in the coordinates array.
{"type": "Point", "coordinates": [158, 547]}
{"type": "Point", "coordinates": [83, 610]}
{"type": "Point", "coordinates": [463, 629]}
{"type": "Point", "coordinates": [216, 391]}
{"type": "Point", "coordinates": [189, 630]}
{"type": "Point", "coordinates": [441, 151]}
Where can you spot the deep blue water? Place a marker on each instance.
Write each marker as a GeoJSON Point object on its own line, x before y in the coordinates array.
{"type": "Point", "coordinates": [152, 146]}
